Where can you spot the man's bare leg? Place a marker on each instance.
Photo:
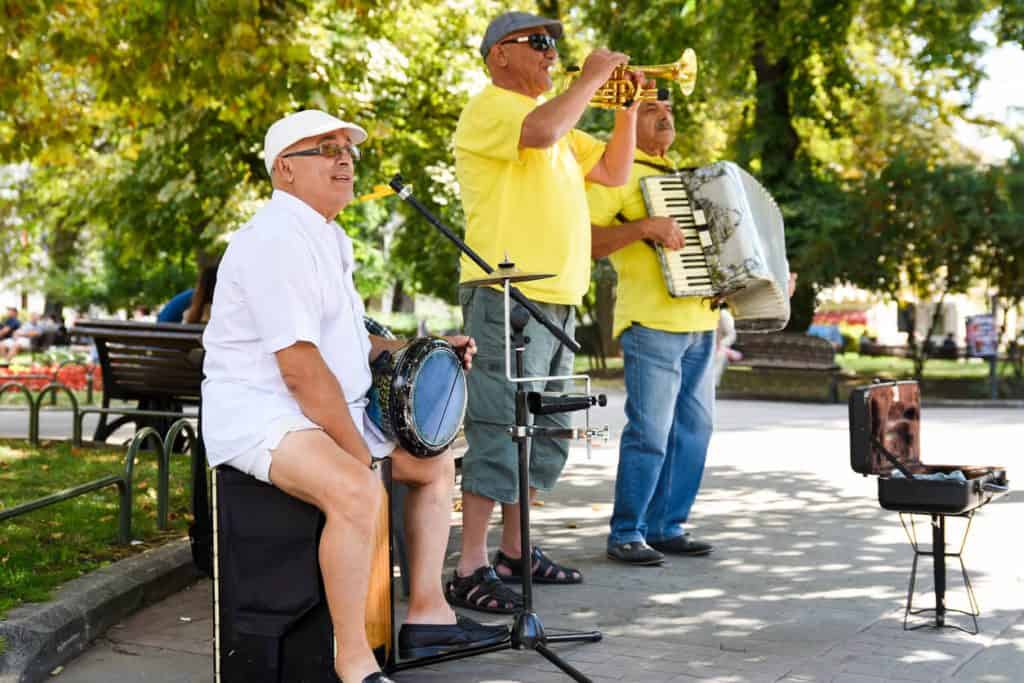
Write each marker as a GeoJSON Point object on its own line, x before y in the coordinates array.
{"type": "Point", "coordinates": [428, 514]}
{"type": "Point", "coordinates": [511, 536]}
{"type": "Point", "coordinates": [476, 518]}
{"type": "Point", "coordinates": [312, 467]}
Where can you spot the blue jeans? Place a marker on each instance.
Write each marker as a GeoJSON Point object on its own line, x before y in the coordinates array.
{"type": "Point", "coordinates": [670, 397]}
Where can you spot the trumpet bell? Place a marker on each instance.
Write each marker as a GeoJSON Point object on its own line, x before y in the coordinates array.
{"type": "Point", "coordinates": [684, 72]}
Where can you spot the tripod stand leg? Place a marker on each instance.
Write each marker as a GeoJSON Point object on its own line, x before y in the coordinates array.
{"type": "Point", "coordinates": [574, 637]}
{"type": "Point", "coordinates": [560, 663]}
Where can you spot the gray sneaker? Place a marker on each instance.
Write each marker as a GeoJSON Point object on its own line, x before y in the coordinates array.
{"type": "Point", "coordinates": [637, 553]}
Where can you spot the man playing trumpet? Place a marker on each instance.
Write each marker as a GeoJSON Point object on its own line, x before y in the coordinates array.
{"type": "Point", "coordinates": [521, 168]}
{"type": "Point", "coordinates": [668, 346]}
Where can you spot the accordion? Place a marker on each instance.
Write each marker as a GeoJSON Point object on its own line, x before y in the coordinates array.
{"type": "Point", "coordinates": [735, 247]}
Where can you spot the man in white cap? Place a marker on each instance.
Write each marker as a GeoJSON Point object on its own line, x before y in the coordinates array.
{"type": "Point", "coordinates": [521, 167]}
{"type": "Point", "coordinates": [284, 399]}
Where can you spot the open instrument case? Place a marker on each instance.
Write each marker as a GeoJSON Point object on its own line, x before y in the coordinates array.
{"type": "Point", "coordinates": [885, 440]}
{"type": "Point", "coordinates": [885, 424]}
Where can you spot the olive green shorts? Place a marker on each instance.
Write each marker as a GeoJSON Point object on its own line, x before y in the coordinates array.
{"type": "Point", "coordinates": [490, 466]}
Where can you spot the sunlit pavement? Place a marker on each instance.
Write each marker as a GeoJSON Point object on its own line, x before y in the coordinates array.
{"type": "Point", "coordinates": [807, 581]}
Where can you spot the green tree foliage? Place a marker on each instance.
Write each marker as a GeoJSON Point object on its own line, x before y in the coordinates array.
{"type": "Point", "coordinates": [142, 121]}
{"type": "Point", "coordinates": [922, 230]}
{"type": "Point", "coordinates": [1001, 255]}
{"type": "Point", "coordinates": [169, 102]}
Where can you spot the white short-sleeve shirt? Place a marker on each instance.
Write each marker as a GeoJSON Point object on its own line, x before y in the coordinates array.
{"type": "Point", "coordinates": [286, 277]}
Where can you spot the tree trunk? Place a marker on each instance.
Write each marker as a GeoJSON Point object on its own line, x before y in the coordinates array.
{"type": "Point", "coordinates": [801, 307]}
{"type": "Point", "coordinates": [775, 139]}
{"type": "Point", "coordinates": [921, 354]}
{"type": "Point", "coordinates": [605, 319]}
{"type": "Point", "coordinates": [400, 301]}
{"type": "Point", "coordinates": [552, 9]}
{"type": "Point", "coordinates": [62, 254]}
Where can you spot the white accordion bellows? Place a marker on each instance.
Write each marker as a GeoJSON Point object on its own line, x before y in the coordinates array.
{"type": "Point", "coordinates": [730, 220]}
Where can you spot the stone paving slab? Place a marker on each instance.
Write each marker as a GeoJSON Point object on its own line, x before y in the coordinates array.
{"type": "Point", "coordinates": [807, 582]}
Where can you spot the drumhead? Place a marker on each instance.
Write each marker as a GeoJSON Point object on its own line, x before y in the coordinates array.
{"type": "Point", "coordinates": [439, 397]}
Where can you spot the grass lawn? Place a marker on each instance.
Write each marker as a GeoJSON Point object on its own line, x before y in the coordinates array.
{"type": "Point", "coordinates": [959, 379]}
{"type": "Point", "coordinates": [938, 368]}
{"type": "Point", "coordinates": [867, 366]}
{"type": "Point", "coordinates": [42, 549]}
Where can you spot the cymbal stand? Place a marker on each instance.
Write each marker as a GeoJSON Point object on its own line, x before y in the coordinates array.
{"type": "Point", "coordinates": [527, 629]}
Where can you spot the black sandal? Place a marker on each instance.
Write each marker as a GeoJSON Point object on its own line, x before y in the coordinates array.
{"type": "Point", "coordinates": [482, 591]}
{"type": "Point", "coordinates": [545, 569]}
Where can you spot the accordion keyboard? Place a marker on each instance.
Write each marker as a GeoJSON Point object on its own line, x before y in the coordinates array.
{"type": "Point", "coordinates": [686, 269]}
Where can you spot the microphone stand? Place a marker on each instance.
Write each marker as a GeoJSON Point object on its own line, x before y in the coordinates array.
{"type": "Point", "coordinates": [405, 193]}
{"type": "Point", "coordinates": [527, 629]}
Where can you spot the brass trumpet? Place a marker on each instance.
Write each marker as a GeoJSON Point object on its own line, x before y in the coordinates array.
{"type": "Point", "coordinates": [618, 92]}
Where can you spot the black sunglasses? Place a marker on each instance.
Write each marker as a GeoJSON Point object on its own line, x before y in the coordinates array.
{"type": "Point", "coordinates": [541, 42]}
{"type": "Point", "coordinates": [326, 149]}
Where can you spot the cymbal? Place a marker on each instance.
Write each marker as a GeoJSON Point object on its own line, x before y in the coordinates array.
{"type": "Point", "coordinates": [502, 275]}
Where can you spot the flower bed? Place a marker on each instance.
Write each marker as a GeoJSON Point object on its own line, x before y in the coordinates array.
{"type": "Point", "coordinates": [72, 376]}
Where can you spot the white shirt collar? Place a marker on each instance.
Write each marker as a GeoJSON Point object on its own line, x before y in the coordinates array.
{"type": "Point", "coordinates": [306, 212]}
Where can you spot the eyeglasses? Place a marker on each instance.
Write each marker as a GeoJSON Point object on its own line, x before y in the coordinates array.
{"type": "Point", "coordinates": [541, 42]}
{"type": "Point", "coordinates": [326, 149]}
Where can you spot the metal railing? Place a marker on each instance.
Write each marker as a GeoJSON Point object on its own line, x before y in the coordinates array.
{"type": "Point", "coordinates": [35, 402]}
{"type": "Point", "coordinates": [22, 388]}
{"type": "Point", "coordinates": [90, 372]}
{"type": "Point", "coordinates": [123, 481]}
{"type": "Point", "coordinates": [78, 415]}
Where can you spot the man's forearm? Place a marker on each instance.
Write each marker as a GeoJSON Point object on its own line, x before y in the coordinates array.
{"type": "Point", "coordinates": [321, 398]}
{"type": "Point", "coordinates": [551, 121]}
{"type": "Point", "coordinates": [618, 155]}
{"type": "Point", "coordinates": [605, 241]}
{"type": "Point", "coordinates": [326, 406]}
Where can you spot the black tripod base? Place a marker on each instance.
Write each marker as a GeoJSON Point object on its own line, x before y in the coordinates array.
{"type": "Point", "coordinates": [527, 634]}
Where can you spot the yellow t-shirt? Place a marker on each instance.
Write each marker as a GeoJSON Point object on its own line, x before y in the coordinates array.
{"type": "Point", "coordinates": [641, 295]}
{"type": "Point", "coordinates": [528, 203]}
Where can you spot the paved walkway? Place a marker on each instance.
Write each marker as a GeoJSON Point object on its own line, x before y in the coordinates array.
{"type": "Point", "coordinates": [807, 581]}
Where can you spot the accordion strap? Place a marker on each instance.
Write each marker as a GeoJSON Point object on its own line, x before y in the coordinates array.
{"type": "Point", "coordinates": [657, 167]}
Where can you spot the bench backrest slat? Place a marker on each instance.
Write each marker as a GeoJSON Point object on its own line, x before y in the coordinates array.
{"type": "Point", "coordinates": [147, 360]}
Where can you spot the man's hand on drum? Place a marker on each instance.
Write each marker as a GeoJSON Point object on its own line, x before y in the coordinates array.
{"type": "Point", "coordinates": [380, 344]}
{"type": "Point", "coordinates": [465, 347]}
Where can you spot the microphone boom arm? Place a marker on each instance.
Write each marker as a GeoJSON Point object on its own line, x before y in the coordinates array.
{"type": "Point", "coordinates": [406, 194]}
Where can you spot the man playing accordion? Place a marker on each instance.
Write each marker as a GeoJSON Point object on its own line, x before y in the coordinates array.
{"type": "Point", "coordinates": [668, 346]}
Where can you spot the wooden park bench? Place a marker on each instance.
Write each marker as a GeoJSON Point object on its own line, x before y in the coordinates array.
{"type": "Point", "coordinates": [157, 365]}
{"type": "Point", "coordinates": [788, 352]}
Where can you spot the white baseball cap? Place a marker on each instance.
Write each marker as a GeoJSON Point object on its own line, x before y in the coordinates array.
{"type": "Point", "coordinates": [304, 124]}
